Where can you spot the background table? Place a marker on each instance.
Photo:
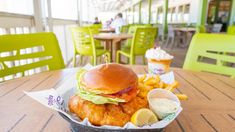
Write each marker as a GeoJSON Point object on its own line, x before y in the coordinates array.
{"type": "Point", "coordinates": [112, 39]}
{"type": "Point", "coordinates": [187, 33]}
{"type": "Point", "coordinates": [107, 30]}
{"type": "Point", "coordinates": [210, 106]}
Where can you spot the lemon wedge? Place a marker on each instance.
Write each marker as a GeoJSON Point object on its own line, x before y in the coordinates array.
{"type": "Point", "coordinates": [143, 117]}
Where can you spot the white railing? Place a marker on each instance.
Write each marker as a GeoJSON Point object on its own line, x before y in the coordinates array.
{"type": "Point", "coordinates": [11, 23]}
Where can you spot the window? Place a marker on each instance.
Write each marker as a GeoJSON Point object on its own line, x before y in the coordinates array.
{"type": "Point", "coordinates": [160, 15]}
{"type": "Point", "coordinates": [174, 14]}
{"type": "Point", "coordinates": [144, 12]}
{"type": "Point", "coordinates": [186, 13]}
{"type": "Point", "coordinates": [136, 14]}
{"type": "Point", "coordinates": [17, 6]}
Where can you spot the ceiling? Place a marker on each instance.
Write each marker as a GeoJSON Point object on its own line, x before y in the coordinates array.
{"type": "Point", "coordinates": [111, 5]}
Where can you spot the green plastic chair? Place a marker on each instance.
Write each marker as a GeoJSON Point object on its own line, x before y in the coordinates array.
{"type": "Point", "coordinates": [143, 40]}
{"type": "Point", "coordinates": [95, 30]}
{"type": "Point", "coordinates": [84, 45]}
{"type": "Point", "coordinates": [50, 55]}
{"type": "Point", "coordinates": [201, 29]}
{"type": "Point", "coordinates": [231, 30]}
{"type": "Point", "coordinates": [124, 28]}
{"type": "Point", "coordinates": [127, 44]}
{"type": "Point", "coordinates": [213, 47]}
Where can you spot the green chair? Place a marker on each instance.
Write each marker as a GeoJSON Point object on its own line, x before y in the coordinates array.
{"type": "Point", "coordinates": [201, 29]}
{"type": "Point", "coordinates": [231, 30]}
{"type": "Point", "coordinates": [211, 47]}
{"type": "Point", "coordinates": [127, 44]}
{"type": "Point", "coordinates": [124, 28]}
{"type": "Point", "coordinates": [95, 30]}
{"type": "Point", "coordinates": [84, 45]}
{"type": "Point", "coordinates": [143, 40]}
{"type": "Point", "coordinates": [48, 57]}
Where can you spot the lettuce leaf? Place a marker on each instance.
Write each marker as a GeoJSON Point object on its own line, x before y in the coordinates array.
{"type": "Point", "coordinates": [94, 98]}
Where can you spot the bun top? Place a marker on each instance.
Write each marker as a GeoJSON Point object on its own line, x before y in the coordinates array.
{"type": "Point", "coordinates": [108, 79]}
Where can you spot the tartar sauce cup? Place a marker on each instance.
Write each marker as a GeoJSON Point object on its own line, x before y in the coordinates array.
{"type": "Point", "coordinates": [160, 95]}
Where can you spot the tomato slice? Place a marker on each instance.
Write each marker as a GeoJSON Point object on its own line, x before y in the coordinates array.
{"type": "Point", "coordinates": [127, 96]}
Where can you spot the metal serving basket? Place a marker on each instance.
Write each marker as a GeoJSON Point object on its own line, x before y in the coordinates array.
{"type": "Point", "coordinates": [83, 128]}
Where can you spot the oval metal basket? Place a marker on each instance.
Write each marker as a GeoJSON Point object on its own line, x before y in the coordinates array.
{"type": "Point", "coordinates": [75, 127]}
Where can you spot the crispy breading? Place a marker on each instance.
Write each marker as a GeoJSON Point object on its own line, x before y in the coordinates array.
{"type": "Point", "coordinates": [106, 114]}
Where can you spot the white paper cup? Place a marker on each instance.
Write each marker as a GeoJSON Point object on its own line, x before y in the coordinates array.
{"type": "Point", "coordinates": [162, 93]}
{"type": "Point", "coordinates": [158, 66]}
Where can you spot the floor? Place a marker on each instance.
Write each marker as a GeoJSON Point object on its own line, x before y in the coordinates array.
{"type": "Point", "coordinates": [178, 53]}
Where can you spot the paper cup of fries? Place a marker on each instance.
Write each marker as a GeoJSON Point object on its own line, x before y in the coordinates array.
{"type": "Point", "coordinates": [162, 112]}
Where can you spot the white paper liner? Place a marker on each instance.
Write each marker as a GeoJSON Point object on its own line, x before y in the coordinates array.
{"type": "Point", "coordinates": [57, 99]}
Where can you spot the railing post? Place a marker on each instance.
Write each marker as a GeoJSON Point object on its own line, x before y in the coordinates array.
{"type": "Point", "coordinates": [49, 20]}
{"type": "Point", "coordinates": [232, 16]}
{"type": "Point", "coordinates": [165, 12]}
{"type": "Point", "coordinates": [140, 3]}
{"type": "Point", "coordinates": [133, 14]}
{"type": "Point", "coordinates": [38, 16]}
{"type": "Point", "coordinates": [150, 13]}
{"type": "Point", "coordinates": [202, 12]}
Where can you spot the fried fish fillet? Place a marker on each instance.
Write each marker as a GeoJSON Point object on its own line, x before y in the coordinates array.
{"type": "Point", "coordinates": [106, 114]}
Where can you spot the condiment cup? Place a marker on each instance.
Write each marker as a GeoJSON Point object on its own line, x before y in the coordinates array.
{"type": "Point", "coordinates": [162, 93]}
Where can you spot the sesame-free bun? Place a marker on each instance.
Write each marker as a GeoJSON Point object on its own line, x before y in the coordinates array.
{"type": "Point", "coordinates": [108, 79]}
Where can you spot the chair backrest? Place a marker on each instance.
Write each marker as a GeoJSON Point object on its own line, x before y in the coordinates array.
{"type": "Point", "coordinates": [143, 40]}
{"type": "Point", "coordinates": [22, 53]}
{"type": "Point", "coordinates": [83, 40]}
{"type": "Point", "coordinates": [99, 26]}
{"type": "Point", "coordinates": [217, 28]}
{"type": "Point", "coordinates": [201, 29]}
{"type": "Point", "coordinates": [124, 29]}
{"type": "Point", "coordinates": [231, 30]}
{"type": "Point", "coordinates": [211, 53]}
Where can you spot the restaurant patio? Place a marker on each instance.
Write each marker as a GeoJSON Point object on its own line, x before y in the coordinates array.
{"type": "Point", "coordinates": [117, 65]}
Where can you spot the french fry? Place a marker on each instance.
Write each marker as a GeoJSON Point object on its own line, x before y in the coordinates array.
{"type": "Point", "coordinates": [148, 87]}
{"type": "Point", "coordinates": [141, 79]}
{"type": "Point", "coordinates": [172, 86]}
{"type": "Point", "coordinates": [150, 82]}
{"type": "Point", "coordinates": [157, 78]}
{"type": "Point", "coordinates": [141, 86]}
{"type": "Point", "coordinates": [182, 96]}
{"type": "Point", "coordinates": [161, 84]}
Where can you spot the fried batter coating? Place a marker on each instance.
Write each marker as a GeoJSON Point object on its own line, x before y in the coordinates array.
{"type": "Point", "coordinates": [106, 114]}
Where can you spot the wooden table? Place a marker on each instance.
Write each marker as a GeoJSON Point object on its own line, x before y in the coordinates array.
{"type": "Point", "coordinates": [107, 30]}
{"type": "Point", "coordinates": [187, 33]}
{"type": "Point", "coordinates": [211, 104]}
{"type": "Point", "coordinates": [112, 39]}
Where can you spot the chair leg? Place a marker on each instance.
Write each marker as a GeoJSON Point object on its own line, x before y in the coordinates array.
{"type": "Point", "coordinates": [94, 59]}
{"type": "Point", "coordinates": [118, 57]}
{"type": "Point", "coordinates": [81, 59]}
{"type": "Point", "coordinates": [132, 60]}
{"type": "Point", "coordinates": [144, 60]}
{"type": "Point", "coordinates": [109, 57]}
{"type": "Point", "coordinates": [74, 60]}
{"type": "Point", "coordinates": [173, 42]}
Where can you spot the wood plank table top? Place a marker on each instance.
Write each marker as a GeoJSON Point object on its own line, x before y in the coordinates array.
{"type": "Point", "coordinates": [185, 29]}
{"type": "Point", "coordinates": [107, 30]}
{"type": "Point", "coordinates": [211, 105]}
{"type": "Point", "coordinates": [112, 36]}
